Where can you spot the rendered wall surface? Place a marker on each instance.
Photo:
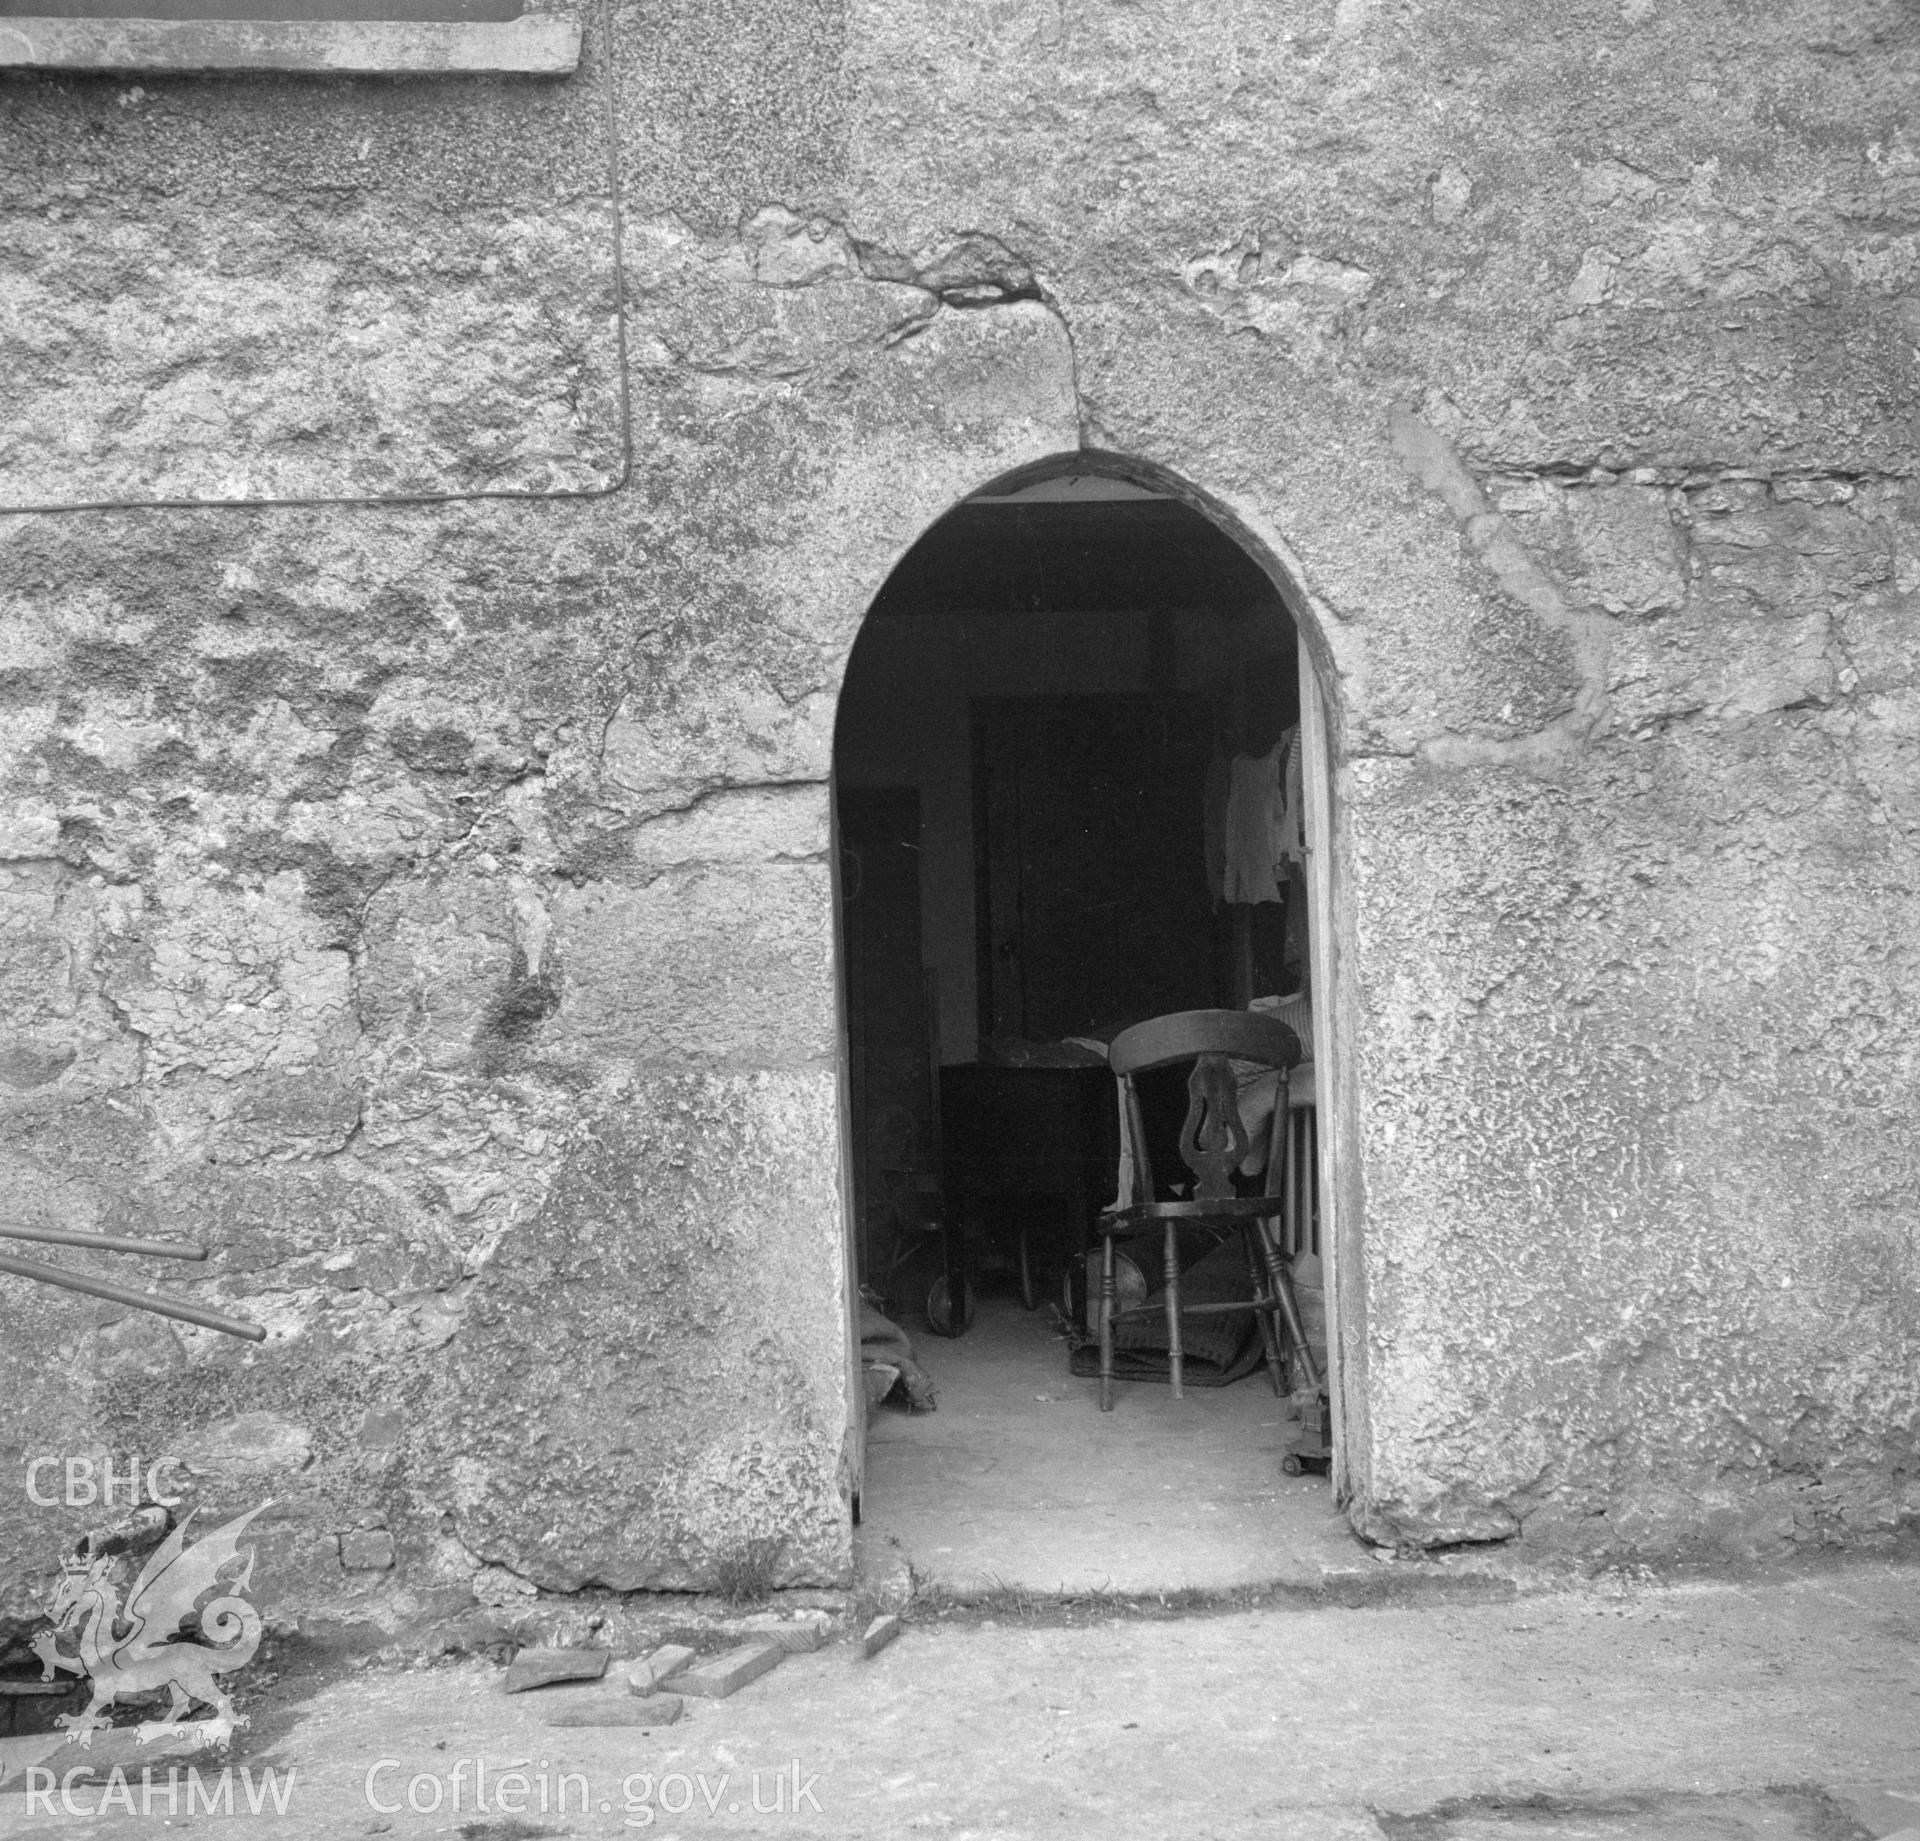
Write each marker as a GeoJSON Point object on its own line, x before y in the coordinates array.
{"type": "Point", "coordinates": [428, 905]}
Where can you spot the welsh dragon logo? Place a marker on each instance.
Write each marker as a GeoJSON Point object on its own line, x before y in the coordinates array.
{"type": "Point", "coordinates": [145, 1644]}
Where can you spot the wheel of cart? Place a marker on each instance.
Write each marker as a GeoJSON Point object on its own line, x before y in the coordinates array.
{"type": "Point", "coordinates": [940, 1317]}
{"type": "Point", "coordinates": [1311, 1449]}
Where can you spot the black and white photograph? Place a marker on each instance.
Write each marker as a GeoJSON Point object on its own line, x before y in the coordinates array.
{"type": "Point", "coordinates": [991, 920]}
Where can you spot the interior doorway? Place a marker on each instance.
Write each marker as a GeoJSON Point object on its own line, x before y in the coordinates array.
{"type": "Point", "coordinates": [1069, 797]}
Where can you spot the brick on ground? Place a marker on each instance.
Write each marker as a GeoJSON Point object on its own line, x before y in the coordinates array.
{"type": "Point", "coordinates": [536, 1668]}
{"type": "Point", "coordinates": [798, 1633]}
{"type": "Point", "coordinates": [726, 1674]}
{"type": "Point", "coordinates": [879, 1634]}
{"type": "Point", "coordinates": [644, 1676]}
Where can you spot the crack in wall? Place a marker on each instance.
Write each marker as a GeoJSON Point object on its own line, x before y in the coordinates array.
{"type": "Point", "coordinates": [978, 271]}
{"type": "Point", "coordinates": [975, 270]}
{"type": "Point", "coordinates": [1692, 475]}
{"type": "Point", "coordinates": [722, 789]}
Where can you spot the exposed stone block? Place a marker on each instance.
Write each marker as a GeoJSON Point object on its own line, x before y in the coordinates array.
{"type": "Point", "coordinates": [1614, 546]}
{"type": "Point", "coordinates": [366, 366]}
{"type": "Point", "coordinates": [27, 1063]}
{"type": "Point", "coordinates": [248, 1445]}
{"type": "Point", "coordinates": [367, 1550]}
{"type": "Point", "coordinates": [669, 1191]}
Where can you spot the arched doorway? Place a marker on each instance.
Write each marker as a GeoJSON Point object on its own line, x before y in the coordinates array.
{"type": "Point", "coordinates": [1065, 706]}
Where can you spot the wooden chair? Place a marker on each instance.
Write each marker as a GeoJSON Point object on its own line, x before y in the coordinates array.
{"type": "Point", "coordinates": [1213, 1142]}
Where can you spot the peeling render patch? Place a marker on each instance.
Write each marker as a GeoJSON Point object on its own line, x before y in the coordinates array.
{"type": "Point", "coordinates": [970, 271]}
{"type": "Point", "coordinates": [1493, 542]}
{"type": "Point", "coordinates": [973, 270]}
{"type": "Point", "coordinates": [1304, 303]}
{"type": "Point", "coordinates": [1628, 564]}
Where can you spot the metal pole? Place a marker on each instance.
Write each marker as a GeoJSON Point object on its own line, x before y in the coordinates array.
{"type": "Point", "coordinates": [106, 1243]}
{"type": "Point", "coordinates": [126, 1294]}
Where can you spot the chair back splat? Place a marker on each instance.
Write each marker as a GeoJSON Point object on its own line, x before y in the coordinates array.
{"type": "Point", "coordinates": [1213, 1142]}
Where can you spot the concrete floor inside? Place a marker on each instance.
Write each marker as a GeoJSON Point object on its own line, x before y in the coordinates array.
{"type": "Point", "coordinates": [1019, 1480]}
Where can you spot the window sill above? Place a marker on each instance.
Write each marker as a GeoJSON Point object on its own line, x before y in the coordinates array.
{"type": "Point", "coordinates": [542, 44]}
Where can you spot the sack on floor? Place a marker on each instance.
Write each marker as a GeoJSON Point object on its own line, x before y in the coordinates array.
{"type": "Point", "coordinates": [1215, 1350]}
{"type": "Point", "coordinates": [888, 1365]}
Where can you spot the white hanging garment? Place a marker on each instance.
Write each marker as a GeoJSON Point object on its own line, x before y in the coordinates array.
{"type": "Point", "coordinates": [1255, 798]}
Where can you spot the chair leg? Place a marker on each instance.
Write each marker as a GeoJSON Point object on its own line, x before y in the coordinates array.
{"type": "Point", "coordinates": [1302, 1242]}
{"type": "Point", "coordinates": [1106, 1323]}
{"type": "Point", "coordinates": [1263, 1306]}
{"type": "Point", "coordinates": [1289, 1309]}
{"type": "Point", "coordinates": [1289, 1188]}
{"type": "Point", "coordinates": [1173, 1306]}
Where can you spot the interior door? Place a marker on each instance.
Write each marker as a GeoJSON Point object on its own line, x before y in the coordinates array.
{"type": "Point", "coordinates": [1092, 900]}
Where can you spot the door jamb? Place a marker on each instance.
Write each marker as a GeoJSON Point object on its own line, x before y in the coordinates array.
{"type": "Point", "coordinates": [1329, 1050]}
{"type": "Point", "coordinates": [854, 1446]}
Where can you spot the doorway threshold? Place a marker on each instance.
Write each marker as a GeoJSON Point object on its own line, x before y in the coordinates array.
{"type": "Point", "coordinates": [1019, 1482]}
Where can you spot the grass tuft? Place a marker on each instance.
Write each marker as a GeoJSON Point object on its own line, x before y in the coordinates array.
{"type": "Point", "coordinates": [744, 1574]}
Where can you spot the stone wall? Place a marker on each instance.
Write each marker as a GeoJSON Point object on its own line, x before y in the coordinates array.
{"type": "Point", "coordinates": [427, 904]}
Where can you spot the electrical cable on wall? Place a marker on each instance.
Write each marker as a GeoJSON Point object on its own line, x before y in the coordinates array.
{"type": "Point", "coordinates": [160, 1303]}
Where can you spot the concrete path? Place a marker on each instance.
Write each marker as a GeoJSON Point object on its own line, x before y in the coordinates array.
{"type": "Point", "coordinates": [1020, 1480]}
{"type": "Point", "coordinates": [1637, 1713]}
